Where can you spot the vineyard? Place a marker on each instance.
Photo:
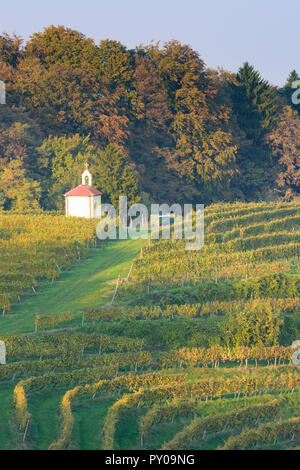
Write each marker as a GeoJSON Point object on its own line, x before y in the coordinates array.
{"type": "Point", "coordinates": [188, 349]}
{"type": "Point", "coordinates": [40, 247]}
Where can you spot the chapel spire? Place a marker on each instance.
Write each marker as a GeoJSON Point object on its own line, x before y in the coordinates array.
{"type": "Point", "coordinates": [87, 174]}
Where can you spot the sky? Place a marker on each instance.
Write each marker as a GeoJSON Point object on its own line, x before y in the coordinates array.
{"type": "Point", "coordinates": [226, 33]}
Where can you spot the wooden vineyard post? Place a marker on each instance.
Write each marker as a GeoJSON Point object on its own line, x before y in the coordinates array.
{"type": "Point", "coordinates": [130, 272]}
{"type": "Point", "coordinates": [78, 253]}
{"type": "Point", "coordinates": [141, 253]}
{"type": "Point", "coordinates": [57, 266]}
{"type": "Point", "coordinates": [4, 306]}
{"type": "Point", "coordinates": [115, 293]}
{"type": "Point", "coordinates": [26, 429]}
{"type": "Point", "coordinates": [149, 241]}
{"type": "Point", "coordinates": [36, 322]}
{"type": "Point", "coordinates": [82, 322]}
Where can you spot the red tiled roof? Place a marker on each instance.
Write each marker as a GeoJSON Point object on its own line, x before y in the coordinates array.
{"type": "Point", "coordinates": [84, 190]}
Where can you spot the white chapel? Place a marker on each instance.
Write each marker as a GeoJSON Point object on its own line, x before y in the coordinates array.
{"type": "Point", "coordinates": [84, 200]}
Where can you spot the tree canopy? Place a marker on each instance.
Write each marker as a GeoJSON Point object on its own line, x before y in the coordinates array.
{"type": "Point", "coordinates": [180, 132]}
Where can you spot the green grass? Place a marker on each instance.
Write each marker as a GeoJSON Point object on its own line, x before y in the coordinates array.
{"type": "Point", "coordinates": [45, 420]}
{"type": "Point", "coordinates": [89, 416]}
{"type": "Point", "coordinates": [127, 431]}
{"type": "Point", "coordinates": [91, 283]}
{"type": "Point", "coordinates": [10, 438]}
{"type": "Point", "coordinates": [166, 430]}
{"type": "Point", "coordinates": [45, 426]}
{"type": "Point", "coordinates": [88, 425]}
{"type": "Point", "coordinates": [86, 285]}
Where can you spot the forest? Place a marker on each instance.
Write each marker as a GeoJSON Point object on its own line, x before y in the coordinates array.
{"type": "Point", "coordinates": [153, 123]}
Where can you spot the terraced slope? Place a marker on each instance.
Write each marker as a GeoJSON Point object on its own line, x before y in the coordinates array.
{"type": "Point", "coordinates": [194, 354]}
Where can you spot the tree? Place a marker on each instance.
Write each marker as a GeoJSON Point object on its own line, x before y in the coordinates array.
{"type": "Point", "coordinates": [152, 100]}
{"type": "Point", "coordinates": [293, 77]}
{"type": "Point", "coordinates": [285, 141]}
{"type": "Point", "coordinates": [58, 45]}
{"type": "Point", "coordinates": [255, 105]}
{"type": "Point", "coordinates": [68, 100]}
{"type": "Point", "coordinates": [115, 176]}
{"type": "Point", "coordinates": [150, 122]}
{"type": "Point", "coordinates": [63, 100]}
{"type": "Point", "coordinates": [114, 75]}
{"type": "Point", "coordinates": [192, 133]}
{"type": "Point", "coordinates": [254, 102]}
{"type": "Point", "coordinates": [10, 49]}
{"type": "Point", "coordinates": [22, 193]}
{"type": "Point", "coordinates": [202, 154]}
{"type": "Point", "coordinates": [288, 90]}
{"type": "Point", "coordinates": [256, 324]}
{"type": "Point", "coordinates": [19, 137]}
{"type": "Point", "coordinates": [115, 68]}
{"type": "Point", "coordinates": [177, 65]}
{"type": "Point", "coordinates": [241, 186]}
{"type": "Point", "coordinates": [66, 158]}
{"type": "Point", "coordinates": [205, 152]}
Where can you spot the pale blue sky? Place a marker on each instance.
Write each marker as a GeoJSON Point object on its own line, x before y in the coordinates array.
{"type": "Point", "coordinates": [225, 32]}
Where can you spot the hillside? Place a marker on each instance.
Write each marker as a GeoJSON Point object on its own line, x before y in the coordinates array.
{"type": "Point", "coordinates": [193, 354]}
{"type": "Point", "coordinates": [153, 122]}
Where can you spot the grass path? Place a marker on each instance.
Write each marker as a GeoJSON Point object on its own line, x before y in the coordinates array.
{"type": "Point", "coordinates": [9, 438]}
{"type": "Point", "coordinates": [89, 418]}
{"type": "Point", "coordinates": [88, 284]}
{"type": "Point", "coordinates": [45, 422]}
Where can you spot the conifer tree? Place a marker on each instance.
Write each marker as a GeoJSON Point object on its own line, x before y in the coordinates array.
{"type": "Point", "coordinates": [255, 106]}
{"type": "Point", "coordinates": [289, 88]}
{"type": "Point", "coordinates": [116, 176]}
{"type": "Point", "coordinates": [254, 102]}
